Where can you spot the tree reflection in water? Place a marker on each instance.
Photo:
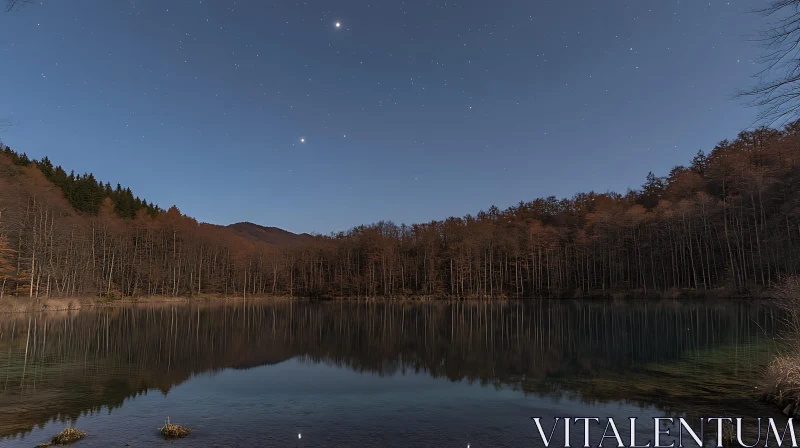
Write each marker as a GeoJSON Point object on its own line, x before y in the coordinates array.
{"type": "Point", "coordinates": [670, 354]}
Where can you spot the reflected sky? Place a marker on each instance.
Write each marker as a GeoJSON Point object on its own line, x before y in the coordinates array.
{"type": "Point", "coordinates": [333, 406]}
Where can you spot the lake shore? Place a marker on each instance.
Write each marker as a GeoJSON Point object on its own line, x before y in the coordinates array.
{"type": "Point", "coordinates": [37, 305]}
{"type": "Point", "coordinates": [16, 304]}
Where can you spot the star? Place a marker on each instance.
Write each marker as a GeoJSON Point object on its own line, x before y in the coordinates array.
{"type": "Point", "coordinates": [338, 25]}
{"type": "Point", "coordinates": [302, 140]}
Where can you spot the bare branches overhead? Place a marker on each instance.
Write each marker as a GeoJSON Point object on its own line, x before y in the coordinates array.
{"type": "Point", "coordinates": [12, 5]}
{"type": "Point", "coordinates": [777, 92]}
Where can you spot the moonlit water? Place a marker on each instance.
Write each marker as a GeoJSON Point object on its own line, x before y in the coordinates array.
{"type": "Point", "coordinates": [374, 373]}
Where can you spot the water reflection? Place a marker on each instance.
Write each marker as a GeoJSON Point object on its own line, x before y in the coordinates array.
{"type": "Point", "coordinates": [687, 357]}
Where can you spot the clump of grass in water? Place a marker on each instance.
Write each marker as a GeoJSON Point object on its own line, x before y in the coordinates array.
{"type": "Point", "coordinates": [784, 374]}
{"type": "Point", "coordinates": [172, 431]}
{"type": "Point", "coordinates": [66, 437]}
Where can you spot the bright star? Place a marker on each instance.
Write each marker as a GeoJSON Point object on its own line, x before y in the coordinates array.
{"type": "Point", "coordinates": [338, 25]}
{"type": "Point", "coordinates": [302, 140]}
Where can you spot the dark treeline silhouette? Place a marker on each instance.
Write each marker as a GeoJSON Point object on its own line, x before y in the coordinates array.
{"type": "Point", "coordinates": [83, 192]}
{"type": "Point", "coordinates": [729, 219]}
{"type": "Point", "coordinates": [95, 358]}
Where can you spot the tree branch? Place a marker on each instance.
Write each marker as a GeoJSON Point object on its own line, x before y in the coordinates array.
{"type": "Point", "coordinates": [777, 91]}
{"type": "Point", "coordinates": [12, 5]}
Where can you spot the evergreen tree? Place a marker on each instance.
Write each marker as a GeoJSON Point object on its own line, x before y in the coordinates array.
{"type": "Point", "coordinates": [652, 191]}
{"type": "Point", "coordinates": [84, 192]}
{"type": "Point", "coordinates": [700, 163]}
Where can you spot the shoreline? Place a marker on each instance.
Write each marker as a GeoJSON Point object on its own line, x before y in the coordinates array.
{"type": "Point", "coordinates": [25, 305]}
{"type": "Point", "coordinates": [20, 305]}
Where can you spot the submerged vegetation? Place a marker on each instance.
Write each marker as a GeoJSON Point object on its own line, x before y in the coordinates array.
{"type": "Point", "coordinates": [682, 385]}
{"type": "Point", "coordinates": [728, 222]}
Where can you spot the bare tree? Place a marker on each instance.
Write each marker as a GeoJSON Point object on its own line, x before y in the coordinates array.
{"type": "Point", "coordinates": [12, 5]}
{"type": "Point", "coordinates": [777, 92]}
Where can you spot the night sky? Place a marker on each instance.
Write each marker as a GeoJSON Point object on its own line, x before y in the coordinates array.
{"type": "Point", "coordinates": [407, 111]}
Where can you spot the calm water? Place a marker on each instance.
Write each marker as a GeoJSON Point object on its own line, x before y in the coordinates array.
{"type": "Point", "coordinates": [374, 374]}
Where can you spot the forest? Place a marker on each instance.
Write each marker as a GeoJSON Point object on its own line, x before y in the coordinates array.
{"type": "Point", "coordinates": [728, 222]}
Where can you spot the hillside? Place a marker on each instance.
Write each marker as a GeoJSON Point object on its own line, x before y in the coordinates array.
{"type": "Point", "coordinates": [86, 194]}
{"type": "Point", "coordinates": [270, 235]}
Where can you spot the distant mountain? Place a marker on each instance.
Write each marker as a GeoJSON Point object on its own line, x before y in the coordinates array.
{"type": "Point", "coordinates": [271, 235]}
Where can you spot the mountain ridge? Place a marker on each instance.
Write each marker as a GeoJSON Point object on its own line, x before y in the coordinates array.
{"type": "Point", "coordinates": [271, 235]}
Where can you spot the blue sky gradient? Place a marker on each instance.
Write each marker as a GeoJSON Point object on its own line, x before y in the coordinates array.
{"type": "Point", "coordinates": [410, 110]}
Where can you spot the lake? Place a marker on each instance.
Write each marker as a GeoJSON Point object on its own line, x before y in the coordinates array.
{"type": "Point", "coordinates": [375, 373]}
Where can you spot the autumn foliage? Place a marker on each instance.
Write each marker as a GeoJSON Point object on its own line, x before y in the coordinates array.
{"type": "Point", "coordinates": [729, 219]}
